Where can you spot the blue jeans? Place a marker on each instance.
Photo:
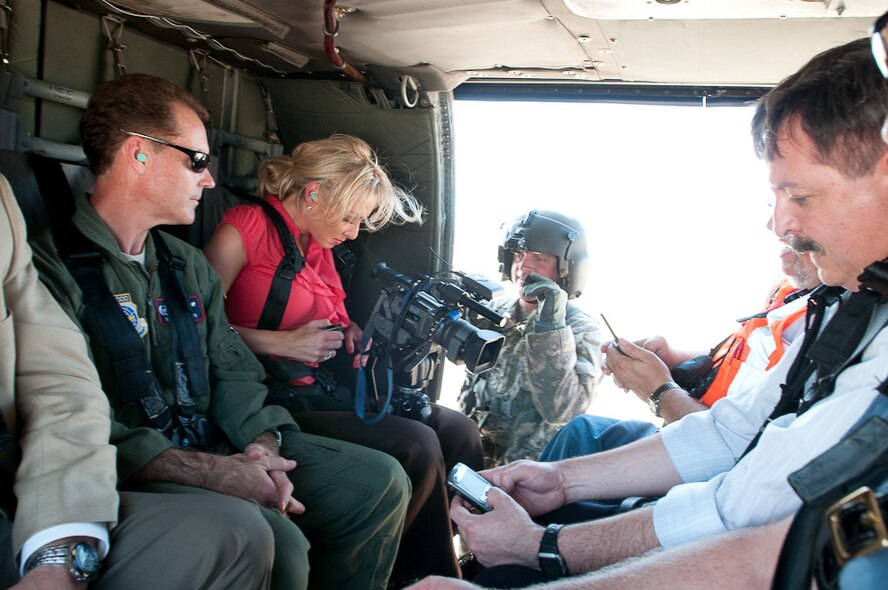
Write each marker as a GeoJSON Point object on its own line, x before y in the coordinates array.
{"type": "Point", "coordinates": [585, 435]}
{"type": "Point", "coordinates": [862, 573]}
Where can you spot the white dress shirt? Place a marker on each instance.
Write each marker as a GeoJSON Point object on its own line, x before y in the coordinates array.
{"type": "Point", "coordinates": [718, 495]}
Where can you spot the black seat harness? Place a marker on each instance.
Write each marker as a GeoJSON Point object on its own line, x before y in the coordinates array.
{"type": "Point", "coordinates": [136, 381]}
{"type": "Point", "coordinates": [823, 353]}
{"type": "Point", "coordinates": [841, 517]}
{"type": "Point", "coordinates": [292, 263]}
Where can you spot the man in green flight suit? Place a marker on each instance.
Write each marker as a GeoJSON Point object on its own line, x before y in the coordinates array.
{"type": "Point", "coordinates": [194, 419]}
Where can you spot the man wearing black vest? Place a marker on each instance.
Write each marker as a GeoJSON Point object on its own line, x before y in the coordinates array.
{"type": "Point", "coordinates": [186, 394]}
{"type": "Point", "coordinates": [725, 470]}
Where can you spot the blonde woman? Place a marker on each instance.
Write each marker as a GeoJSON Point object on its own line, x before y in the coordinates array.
{"type": "Point", "coordinates": [326, 192]}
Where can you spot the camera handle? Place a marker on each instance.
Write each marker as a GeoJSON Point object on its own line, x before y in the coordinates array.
{"type": "Point", "coordinates": [451, 292]}
{"type": "Point", "coordinates": [447, 291]}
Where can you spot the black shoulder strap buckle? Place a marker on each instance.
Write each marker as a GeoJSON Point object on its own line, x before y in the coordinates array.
{"type": "Point", "coordinates": [875, 278]}
{"type": "Point", "coordinates": [345, 261]}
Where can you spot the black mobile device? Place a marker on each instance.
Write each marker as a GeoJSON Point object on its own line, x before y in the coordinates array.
{"type": "Point", "coordinates": [614, 334]}
{"type": "Point", "coordinates": [333, 327]}
{"type": "Point", "coordinates": [470, 486]}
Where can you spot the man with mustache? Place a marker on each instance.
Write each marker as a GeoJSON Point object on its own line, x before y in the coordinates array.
{"type": "Point", "coordinates": [725, 469]}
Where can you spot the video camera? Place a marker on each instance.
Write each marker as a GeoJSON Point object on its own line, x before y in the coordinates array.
{"type": "Point", "coordinates": [415, 319]}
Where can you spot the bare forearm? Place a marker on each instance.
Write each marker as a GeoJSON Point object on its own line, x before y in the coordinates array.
{"type": "Point", "coordinates": [590, 546]}
{"type": "Point", "coordinates": [189, 468]}
{"type": "Point", "coordinates": [265, 341]}
{"type": "Point", "coordinates": [642, 468]}
{"type": "Point", "coordinates": [751, 559]}
{"type": "Point", "coordinates": [675, 404]}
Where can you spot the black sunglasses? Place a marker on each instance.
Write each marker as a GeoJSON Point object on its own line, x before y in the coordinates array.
{"type": "Point", "coordinates": [199, 160]}
{"type": "Point", "coordinates": [880, 49]}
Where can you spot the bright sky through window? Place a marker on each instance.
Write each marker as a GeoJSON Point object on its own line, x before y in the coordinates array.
{"type": "Point", "coordinates": [673, 199]}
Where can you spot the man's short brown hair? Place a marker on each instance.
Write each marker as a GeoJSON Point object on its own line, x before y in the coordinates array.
{"type": "Point", "coordinates": [840, 99]}
{"type": "Point", "coordinates": [134, 102]}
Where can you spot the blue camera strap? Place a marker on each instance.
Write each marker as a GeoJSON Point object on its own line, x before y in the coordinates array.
{"type": "Point", "coordinates": [361, 376]}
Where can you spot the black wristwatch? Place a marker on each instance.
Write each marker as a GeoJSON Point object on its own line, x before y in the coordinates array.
{"type": "Point", "coordinates": [82, 560]}
{"type": "Point", "coordinates": [654, 399]}
{"type": "Point", "coordinates": [551, 562]}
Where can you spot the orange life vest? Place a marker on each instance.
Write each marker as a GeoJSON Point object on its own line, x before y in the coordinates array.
{"type": "Point", "coordinates": [732, 353]}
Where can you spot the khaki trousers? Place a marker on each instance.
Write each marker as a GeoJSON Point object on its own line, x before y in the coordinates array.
{"type": "Point", "coordinates": [177, 541]}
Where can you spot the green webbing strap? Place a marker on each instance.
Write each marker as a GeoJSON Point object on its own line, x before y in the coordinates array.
{"type": "Point", "coordinates": [199, 61]}
{"type": "Point", "coordinates": [114, 44]}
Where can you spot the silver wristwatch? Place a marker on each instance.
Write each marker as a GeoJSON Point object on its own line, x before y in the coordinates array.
{"type": "Point", "coordinates": [654, 399]}
{"type": "Point", "coordinates": [278, 437]}
{"type": "Point", "coordinates": [82, 560]}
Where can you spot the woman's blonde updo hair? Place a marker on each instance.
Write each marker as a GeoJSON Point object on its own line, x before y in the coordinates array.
{"type": "Point", "coordinates": [347, 171]}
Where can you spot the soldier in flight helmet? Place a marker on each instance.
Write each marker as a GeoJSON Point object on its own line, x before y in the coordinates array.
{"type": "Point", "coordinates": [549, 232]}
{"type": "Point", "coordinates": [550, 362]}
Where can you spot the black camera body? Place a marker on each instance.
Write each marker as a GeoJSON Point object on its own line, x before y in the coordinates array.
{"type": "Point", "coordinates": [411, 403]}
{"type": "Point", "coordinates": [415, 320]}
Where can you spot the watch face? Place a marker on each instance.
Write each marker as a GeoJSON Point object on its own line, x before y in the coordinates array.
{"type": "Point", "coordinates": [85, 560]}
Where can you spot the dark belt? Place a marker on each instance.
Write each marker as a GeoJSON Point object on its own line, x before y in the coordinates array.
{"type": "Point", "coordinates": [857, 524]}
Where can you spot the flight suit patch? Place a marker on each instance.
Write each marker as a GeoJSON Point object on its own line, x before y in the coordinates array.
{"type": "Point", "coordinates": [131, 311]}
{"type": "Point", "coordinates": [163, 311]}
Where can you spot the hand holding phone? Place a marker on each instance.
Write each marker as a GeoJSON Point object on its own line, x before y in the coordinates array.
{"type": "Point", "coordinates": [470, 486]}
{"type": "Point", "coordinates": [616, 342]}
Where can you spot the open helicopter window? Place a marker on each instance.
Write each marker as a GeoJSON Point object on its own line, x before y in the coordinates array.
{"type": "Point", "coordinates": [673, 199]}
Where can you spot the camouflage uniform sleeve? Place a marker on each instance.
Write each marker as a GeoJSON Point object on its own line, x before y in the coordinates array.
{"type": "Point", "coordinates": [564, 366]}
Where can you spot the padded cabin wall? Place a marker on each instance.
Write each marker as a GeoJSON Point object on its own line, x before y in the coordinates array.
{"type": "Point", "coordinates": [24, 49]}
{"type": "Point", "coordinates": [408, 142]}
{"type": "Point", "coordinates": [67, 47]}
{"type": "Point", "coordinates": [76, 55]}
{"type": "Point", "coordinates": [62, 45]}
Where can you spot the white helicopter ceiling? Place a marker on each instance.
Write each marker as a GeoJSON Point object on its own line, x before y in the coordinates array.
{"type": "Point", "coordinates": [442, 43]}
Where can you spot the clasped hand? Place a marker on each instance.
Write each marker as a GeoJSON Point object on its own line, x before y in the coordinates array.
{"type": "Point", "coordinates": [634, 367]}
{"type": "Point", "coordinates": [257, 474]}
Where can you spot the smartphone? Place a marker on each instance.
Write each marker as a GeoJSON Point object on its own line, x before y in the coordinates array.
{"type": "Point", "coordinates": [333, 327]}
{"type": "Point", "coordinates": [470, 486]}
{"type": "Point", "coordinates": [614, 334]}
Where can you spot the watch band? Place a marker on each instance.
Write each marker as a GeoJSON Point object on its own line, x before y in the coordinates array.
{"type": "Point", "coordinates": [552, 563]}
{"type": "Point", "coordinates": [278, 438]}
{"type": "Point", "coordinates": [47, 556]}
{"type": "Point", "coordinates": [654, 399]}
{"type": "Point", "coordinates": [82, 560]}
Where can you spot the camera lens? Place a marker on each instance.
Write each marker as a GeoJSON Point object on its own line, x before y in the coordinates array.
{"type": "Point", "coordinates": [464, 343]}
